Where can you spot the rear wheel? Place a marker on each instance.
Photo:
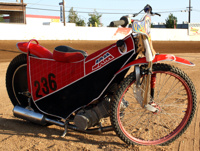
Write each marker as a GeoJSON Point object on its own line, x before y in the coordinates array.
{"type": "Point", "coordinates": [174, 97]}
{"type": "Point", "coordinates": [16, 81]}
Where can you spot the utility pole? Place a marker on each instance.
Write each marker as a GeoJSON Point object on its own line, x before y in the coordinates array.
{"type": "Point", "coordinates": [24, 12]}
{"type": "Point", "coordinates": [189, 11]}
{"type": "Point", "coordinates": [64, 12]}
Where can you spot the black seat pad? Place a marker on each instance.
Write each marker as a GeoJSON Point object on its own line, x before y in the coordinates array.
{"type": "Point", "coordinates": [69, 49]}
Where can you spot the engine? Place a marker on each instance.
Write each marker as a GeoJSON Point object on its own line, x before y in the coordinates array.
{"type": "Point", "coordinates": [86, 118]}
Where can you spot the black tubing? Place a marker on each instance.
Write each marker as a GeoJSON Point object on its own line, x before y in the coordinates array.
{"type": "Point", "coordinates": [91, 131]}
{"type": "Point", "coordinates": [117, 23]}
{"type": "Point", "coordinates": [123, 22]}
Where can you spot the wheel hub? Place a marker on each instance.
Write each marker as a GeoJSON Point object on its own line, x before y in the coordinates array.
{"type": "Point", "coordinates": [158, 109]}
{"type": "Point", "coordinates": [153, 107]}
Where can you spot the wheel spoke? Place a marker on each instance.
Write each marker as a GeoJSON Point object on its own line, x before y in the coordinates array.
{"type": "Point", "coordinates": [138, 113]}
{"type": "Point", "coordinates": [137, 122]}
{"type": "Point", "coordinates": [162, 85]}
{"type": "Point", "coordinates": [168, 95]}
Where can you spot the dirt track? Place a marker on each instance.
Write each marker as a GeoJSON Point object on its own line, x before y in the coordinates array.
{"type": "Point", "coordinates": [16, 134]}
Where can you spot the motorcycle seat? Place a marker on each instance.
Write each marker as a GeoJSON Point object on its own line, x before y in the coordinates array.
{"type": "Point", "coordinates": [68, 54]}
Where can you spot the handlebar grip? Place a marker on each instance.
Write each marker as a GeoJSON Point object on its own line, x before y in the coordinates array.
{"type": "Point", "coordinates": [123, 22]}
{"type": "Point", "coordinates": [117, 23]}
{"type": "Point", "coordinates": [158, 14]}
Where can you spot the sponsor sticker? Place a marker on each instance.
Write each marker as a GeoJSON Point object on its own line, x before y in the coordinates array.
{"type": "Point", "coordinates": [194, 29]}
{"type": "Point", "coordinates": [102, 60]}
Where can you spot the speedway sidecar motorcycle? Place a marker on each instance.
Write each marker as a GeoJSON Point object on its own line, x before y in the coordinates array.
{"type": "Point", "coordinates": [150, 104]}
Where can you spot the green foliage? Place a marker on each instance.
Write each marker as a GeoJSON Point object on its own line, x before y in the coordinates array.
{"type": "Point", "coordinates": [94, 19]}
{"type": "Point", "coordinates": [73, 18]}
{"type": "Point", "coordinates": [1, 19]}
{"type": "Point", "coordinates": [80, 22]}
{"type": "Point", "coordinates": [170, 21]}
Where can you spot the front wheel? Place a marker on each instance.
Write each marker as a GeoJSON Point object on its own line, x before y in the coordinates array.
{"type": "Point", "coordinates": [175, 98]}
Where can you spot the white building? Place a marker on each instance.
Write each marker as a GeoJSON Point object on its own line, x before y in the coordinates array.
{"type": "Point", "coordinates": [41, 19]}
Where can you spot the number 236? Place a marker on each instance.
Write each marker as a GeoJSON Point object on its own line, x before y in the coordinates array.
{"type": "Point", "coordinates": [47, 85]}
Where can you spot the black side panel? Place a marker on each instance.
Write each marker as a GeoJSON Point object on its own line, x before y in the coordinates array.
{"type": "Point", "coordinates": [82, 92]}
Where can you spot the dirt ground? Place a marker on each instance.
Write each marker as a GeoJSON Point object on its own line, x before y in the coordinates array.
{"type": "Point", "coordinates": [17, 134]}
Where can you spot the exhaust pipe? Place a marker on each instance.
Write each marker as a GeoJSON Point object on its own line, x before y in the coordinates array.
{"type": "Point", "coordinates": [38, 118]}
{"type": "Point", "coordinates": [34, 117]}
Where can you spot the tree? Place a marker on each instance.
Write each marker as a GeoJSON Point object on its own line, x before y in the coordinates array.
{"type": "Point", "coordinates": [94, 19]}
{"type": "Point", "coordinates": [170, 21]}
{"type": "Point", "coordinates": [1, 18]}
{"type": "Point", "coordinates": [73, 18]}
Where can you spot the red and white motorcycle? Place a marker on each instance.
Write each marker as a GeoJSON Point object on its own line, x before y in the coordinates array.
{"type": "Point", "coordinates": [152, 103]}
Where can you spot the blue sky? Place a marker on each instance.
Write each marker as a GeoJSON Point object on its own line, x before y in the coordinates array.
{"type": "Point", "coordinates": [124, 7]}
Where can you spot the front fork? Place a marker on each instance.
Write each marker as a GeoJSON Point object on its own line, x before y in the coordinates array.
{"type": "Point", "coordinates": [145, 45]}
{"type": "Point", "coordinates": [147, 85]}
{"type": "Point", "coordinates": [148, 101]}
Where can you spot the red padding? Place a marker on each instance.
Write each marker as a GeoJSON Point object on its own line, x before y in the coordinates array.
{"type": "Point", "coordinates": [67, 56]}
{"type": "Point", "coordinates": [35, 49]}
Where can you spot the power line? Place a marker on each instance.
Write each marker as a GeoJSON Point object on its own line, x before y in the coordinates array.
{"type": "Point", "coordinates": [134, 10]}
{"type": "Point", "coordinates": [36, 3]}
{"type": "Point", "coordinates": [196, 10]}
{"type": "Point", "coordinates": [170, 11]}
{"type": "Point", "coordinates": [98, 12]}
{"type": "Point", "coordinates": [6, 0]}
{"type": "Point", "coordinates": [42, 9]}
{"type": "Point", "coordinates": [42, 4]}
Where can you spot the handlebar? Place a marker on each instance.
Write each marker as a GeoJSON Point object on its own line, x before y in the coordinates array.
{"type": "Point", "coordinates": [117, 23]}
{"type": "Point", "coordinates": [123, 22]}
{"type": "Point", "coordinates": [157, 14]}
